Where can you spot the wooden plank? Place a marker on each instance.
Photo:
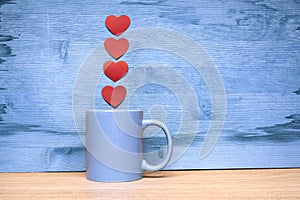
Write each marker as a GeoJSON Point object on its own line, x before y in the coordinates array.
{"type": "Point", "coordinates": [254, 44]}
{"type": "Point", "coordinates": [201, 184]}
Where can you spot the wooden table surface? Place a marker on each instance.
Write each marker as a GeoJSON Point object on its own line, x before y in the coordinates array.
{"type": "Point", "coordinates": [200, 184]}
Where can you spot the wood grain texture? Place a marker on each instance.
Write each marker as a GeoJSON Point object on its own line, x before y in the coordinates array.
{"type": "Point", "coordinates": [201, 184]}
{"type": "Point", "coordinates": [254, 44]}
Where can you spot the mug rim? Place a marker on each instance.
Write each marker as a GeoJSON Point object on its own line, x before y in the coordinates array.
{"type": "Point", "coordinates": [111, 111]}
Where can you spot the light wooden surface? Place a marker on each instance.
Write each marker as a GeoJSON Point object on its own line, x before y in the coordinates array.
{"type": "Point", "coordinates": [201, 184]}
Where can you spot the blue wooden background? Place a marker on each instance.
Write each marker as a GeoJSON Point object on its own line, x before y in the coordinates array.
{"type": "Point", "coordinates": [254, 43]}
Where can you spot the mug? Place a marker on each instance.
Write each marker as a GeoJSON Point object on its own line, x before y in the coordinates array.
{"type": "Point", "coordinates": [114, 143]}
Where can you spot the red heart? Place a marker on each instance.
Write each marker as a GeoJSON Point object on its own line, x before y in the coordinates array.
{"type": "Point", "coordinates": [117, 25]}
{"type": "Point", "coordinates": [115, 71]}
{"type": "Point", "coordinates": [114, 96]}
{"type": "Point", "coordinates": [116, 48]}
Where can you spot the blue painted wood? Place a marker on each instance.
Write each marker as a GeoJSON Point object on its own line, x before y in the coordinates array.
{"type": "Point", "coordinates": [255, 45]}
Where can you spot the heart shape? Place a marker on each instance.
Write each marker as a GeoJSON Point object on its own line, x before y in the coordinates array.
{"type": "Point", "coordinates": [115, 71]}
{"type": "Point", "coordinates": [114, 96]}
{"type": "Point", "coordinates": [117, 25]}
{"type": "Point", "coordinates": [116, 48]}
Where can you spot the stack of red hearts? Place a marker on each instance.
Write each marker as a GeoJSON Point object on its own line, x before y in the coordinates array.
{"type": "Point", "coordinates": [116, 48]}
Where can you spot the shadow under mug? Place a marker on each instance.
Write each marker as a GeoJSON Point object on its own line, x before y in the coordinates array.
{"type": "Point", "coordinates": [114, 142]}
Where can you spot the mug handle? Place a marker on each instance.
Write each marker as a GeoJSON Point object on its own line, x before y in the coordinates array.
{"type": "Point", "coordinates": [145, 164]}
